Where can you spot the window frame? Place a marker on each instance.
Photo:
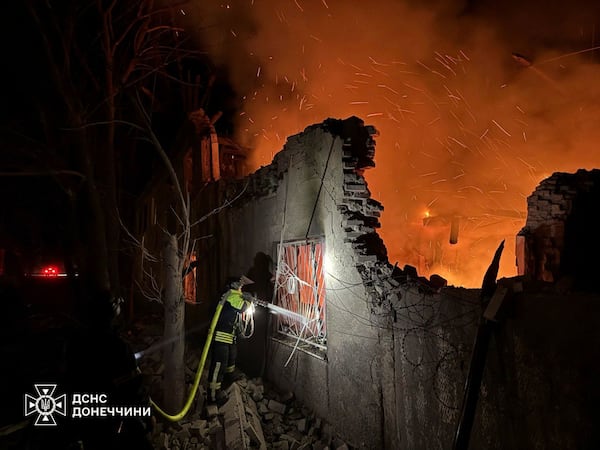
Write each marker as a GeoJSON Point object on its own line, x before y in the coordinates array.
{"type": "Point", "coordinates": [308, 258]}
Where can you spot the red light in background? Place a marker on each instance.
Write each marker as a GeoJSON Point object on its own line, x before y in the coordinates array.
{"type": "Point", "coordinates": [50, 271]}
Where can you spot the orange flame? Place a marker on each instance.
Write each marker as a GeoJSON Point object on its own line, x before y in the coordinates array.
{"type": "Point", "coordinates": [463, 127]}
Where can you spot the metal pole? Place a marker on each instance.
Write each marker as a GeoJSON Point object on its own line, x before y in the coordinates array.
{"type": "Point", "coordinates": [478, 357]}
{"type": "Point", "coordinates": [472, 385]}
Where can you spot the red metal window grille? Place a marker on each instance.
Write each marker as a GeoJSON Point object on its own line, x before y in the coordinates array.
{"type": "Point", "coordinates": [301, 289]}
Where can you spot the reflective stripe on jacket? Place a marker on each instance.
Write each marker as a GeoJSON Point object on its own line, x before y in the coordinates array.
{"type": "Point", "coordinates": [227, 338]}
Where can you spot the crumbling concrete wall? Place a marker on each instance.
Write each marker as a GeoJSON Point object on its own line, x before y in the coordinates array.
{"type": "Point", "coordinates": [540, 388]}
{"type": "Point", "coordinates": [380, 320]}
{"type": "Point", "coordinates": [433, 337]}
{"type": "Point", "coordinates": [314, 188]}
{"type": "Point", "coordinates": [537, 390]}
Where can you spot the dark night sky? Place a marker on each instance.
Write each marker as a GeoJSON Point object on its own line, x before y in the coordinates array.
{"type": "Point", "coordinates": [35, 208]}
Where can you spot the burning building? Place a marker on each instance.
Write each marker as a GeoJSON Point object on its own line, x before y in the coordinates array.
{"type": "Point", "coordinates": [476, 103]}
{"type": "Point", "coordinates": [380, 352]}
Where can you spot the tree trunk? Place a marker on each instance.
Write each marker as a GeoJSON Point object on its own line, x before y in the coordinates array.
{"type": "Point", "coordinates": [93, 220]}
{"type": "Point", "coordinates": [112, 213]}
{"type": "Point", "coordinates": [173, 355]}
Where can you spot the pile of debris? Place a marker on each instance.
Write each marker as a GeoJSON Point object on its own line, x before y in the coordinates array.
{"type": "Point", "coordinates": [255, 417]}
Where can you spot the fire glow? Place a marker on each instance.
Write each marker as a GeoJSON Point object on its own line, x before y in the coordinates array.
{"type": "Point", "coordinates": [468, 126]}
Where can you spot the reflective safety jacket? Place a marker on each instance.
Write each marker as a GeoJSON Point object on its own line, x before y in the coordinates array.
{"type": "Point", "coordinates": [226, 328]}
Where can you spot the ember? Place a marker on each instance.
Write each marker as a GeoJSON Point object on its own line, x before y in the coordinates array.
{"type": "Point", "coordinates": [468, 126]}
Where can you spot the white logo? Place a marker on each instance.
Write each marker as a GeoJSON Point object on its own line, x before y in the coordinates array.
{"type": "Point", "coordinates": [45, 404]}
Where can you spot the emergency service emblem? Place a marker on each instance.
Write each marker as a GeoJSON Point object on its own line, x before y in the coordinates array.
{"type": "Point", "coordinates": [45, 405]}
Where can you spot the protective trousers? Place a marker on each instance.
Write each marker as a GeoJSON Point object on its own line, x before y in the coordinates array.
{"type": "Point", "coordinates": [222, 363]}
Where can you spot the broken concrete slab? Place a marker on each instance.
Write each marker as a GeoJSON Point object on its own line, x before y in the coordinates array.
{"type": "Point", "coordinates": [234, 420]}
{"type": "Point", "coordinates": [163, 442]}
{"type": "Point", "coordinates": [255, 436]}
{"type": "Point", "coordinates": [241, 421]}
{"type": "Point", "coordinates": [301, 425]}
{"type": "Point", "coordinates": [274, 405]}
{"type": "Point", "coordinates": [281, 445]}
{"type": "Point", "coordinates": [254, 426]}
{"type": "Point", "coordinates": [199, 428]}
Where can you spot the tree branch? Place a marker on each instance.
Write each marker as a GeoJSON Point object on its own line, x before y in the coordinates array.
{"type": "Point", "coordinates": [43, 173]}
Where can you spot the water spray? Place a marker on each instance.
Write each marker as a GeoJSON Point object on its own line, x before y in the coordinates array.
{"type": "Point", "coordinates": [159, 345]}
{"type": "Point", "coordinates": [274, 309]}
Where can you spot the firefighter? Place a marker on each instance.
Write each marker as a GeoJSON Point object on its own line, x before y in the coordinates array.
{"type": "Point", "coordinates": [224, 349]}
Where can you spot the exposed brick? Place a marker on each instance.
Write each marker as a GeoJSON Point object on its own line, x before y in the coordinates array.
{"type": "Point", "coordinates": [549, 208]}
{"type": "Point", "coordinates": [355, 187]}
{"type": "Point", "coordinates": [351, 222]}
{"type": "Point", "coordinates": [352, 178]}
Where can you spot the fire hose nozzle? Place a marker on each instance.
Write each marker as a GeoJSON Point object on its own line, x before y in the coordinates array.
{"type": "Point", "coordinates": [260, 302]}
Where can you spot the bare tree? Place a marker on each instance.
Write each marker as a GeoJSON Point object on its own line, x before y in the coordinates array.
{"type": "Point", "coordinates": [98, 55]}
{"type": "Point", "coordinates": [174, 252]}
{"type": "Point", "coordinates": [108, 64]}
{"type": "Point", "coordinates": [161, 276]}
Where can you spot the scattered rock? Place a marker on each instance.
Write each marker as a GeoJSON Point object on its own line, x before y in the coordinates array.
{"type": "Point", "coordinates": [276, 406]}
{"type": "Point", "coordinates": [212, 410]}
{"type": "Point", "coordinates": [199, 428]}
{"type": "Point", "coordinates": [301, 425]}
{"type": "Point", "coordinates": [262, 408]}
{"type": "Point", "coordinates": [163, 441]}
{"type": "Point", "coordinates": [265, 418]}
{"type": "Point", "coordinates": [287, 397]}
{"type": "Point", "coordinates": [281, 445]}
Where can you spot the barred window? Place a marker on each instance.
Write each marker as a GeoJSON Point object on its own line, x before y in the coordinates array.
{"type": "Point", "coordinates": [300, 289]}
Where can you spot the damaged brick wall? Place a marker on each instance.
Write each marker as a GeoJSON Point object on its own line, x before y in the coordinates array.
{"type": "Point", "coordinates": [398, 344]}
{"type": "Point", "coordinates": [560, 238]}
{"type": "Point", "coordinates": [313, 188]}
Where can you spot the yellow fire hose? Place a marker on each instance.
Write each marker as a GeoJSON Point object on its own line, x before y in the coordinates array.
{"type": "Point", "coordinates": [180, 415]}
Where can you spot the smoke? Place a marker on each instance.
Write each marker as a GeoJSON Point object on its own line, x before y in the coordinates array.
{"type": "Point", "coordinates": [475, 102]}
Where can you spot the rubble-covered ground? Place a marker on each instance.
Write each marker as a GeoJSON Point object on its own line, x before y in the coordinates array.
{"type": "Point", "coordinates": [256, 416]}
